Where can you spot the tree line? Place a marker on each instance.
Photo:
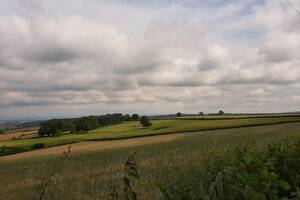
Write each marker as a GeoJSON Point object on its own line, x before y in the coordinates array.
{"type": "Point", "coordinates": [55, 127]}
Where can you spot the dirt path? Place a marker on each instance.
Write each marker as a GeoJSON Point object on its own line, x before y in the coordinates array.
{"type": "Point", "coordinates": [95, 146]}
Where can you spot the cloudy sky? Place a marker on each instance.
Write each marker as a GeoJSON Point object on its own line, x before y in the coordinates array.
{"type": "Point", "coordinates": [62, 58]}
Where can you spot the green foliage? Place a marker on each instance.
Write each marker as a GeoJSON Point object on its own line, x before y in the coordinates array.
{"type": "Point", "coordinates": [145, 121]}
{"type": "Point", "coordinates": [55, 127]}
{"type": "Point", "coordinates": [86, 123]}
{"type": "Point", "coordinates": [37, 146]}
{"type": "Point", "coordinates": [180, 169]}
{"type": "Point", "coordinates": [126, 117]}
{"type": "Point", "coordinates": [178, 114]}
{"type": "Point", "coordinates": [124, 188]}
{"type": "Point", "coordinates": [135, 117]}
{"type": "Point", "coordinates": [272, 174]}
{"type": "Point", "coordinates": [130, 174]}
{"type": "Point", "coordinates": [133, 129]}
{"type": "Point", "coordinates": [1, 132]}
{"type": "Point", "coordinates": [221, 112]}
{"type": "Point", "coordinates": [5, 150]}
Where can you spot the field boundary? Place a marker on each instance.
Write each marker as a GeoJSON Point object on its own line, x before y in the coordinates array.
{"type": "Point", "coordinates": [232, 118]}
{"type": "Point", "coordinates": [90, 146]}
{"type": "Point", "coordinates": [191, 131]}
{"type": "Point", "coordinates": [158, 134]}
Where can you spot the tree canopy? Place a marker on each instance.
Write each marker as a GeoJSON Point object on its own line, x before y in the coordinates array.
{"type": "Point", "coordinates": [135, 117]}
{"type": "Point", "coordinates": [145, 121]}
{"type": "Point", "coordinates": [178, 114]}
{"type": "Point", "coordinates": [56, 127]}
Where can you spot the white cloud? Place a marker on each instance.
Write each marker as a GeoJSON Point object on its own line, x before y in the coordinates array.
{"type": "Point", "coordinates": [146, 58]}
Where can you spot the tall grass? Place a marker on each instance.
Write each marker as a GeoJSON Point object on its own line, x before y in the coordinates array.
{"type": "Point", "coordinates": [174, 170]}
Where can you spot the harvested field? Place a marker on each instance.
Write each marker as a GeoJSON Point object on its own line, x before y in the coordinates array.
{"type": "Point", "coordinates": [95, 146]}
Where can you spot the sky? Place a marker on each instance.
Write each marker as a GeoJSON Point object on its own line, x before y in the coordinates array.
{"type": "Point", "coordinates": [66, 58]}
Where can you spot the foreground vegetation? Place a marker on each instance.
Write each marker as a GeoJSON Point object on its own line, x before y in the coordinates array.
{"type": "Point", "coordinates": [134, 129]}
{"type": "Point", "coordinates": [195, 167]}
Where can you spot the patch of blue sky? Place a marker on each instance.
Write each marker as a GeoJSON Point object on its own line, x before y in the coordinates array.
{"type": "Point", "coordinates": [246, 37]}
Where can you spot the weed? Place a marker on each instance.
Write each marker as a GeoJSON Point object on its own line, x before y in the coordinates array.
{"type": "Point", "coordinates": [127, 179]}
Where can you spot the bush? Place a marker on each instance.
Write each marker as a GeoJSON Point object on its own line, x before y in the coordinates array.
{"type": "Point", "coordinates": [2, 149]}
{"type": "Point", "coordinates": [245, 173]}
{"type": "Point", "coordinates": [1, 132]}
{"type": "Point", "coordinates": [39, 145]}
{"type": "Point", "coordinates": [145, 121]}
{"type": "Point", "coordinates": [271, 174]}
{"type": "Point", "coordinates": [5, 150]}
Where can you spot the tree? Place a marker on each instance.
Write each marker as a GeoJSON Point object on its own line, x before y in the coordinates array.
{"type": "Point", "coordinates": [201, 113]}
{"type": "Point", "coordinates": [145, 122]}
{"type": "Point", "coordinates": [1, 132]}
{"type": "Point", "coordinates": [56, 127]}
{"type": "Point", "coordinates": [135, 117]}
{"type": "Point", "coordinates": [51, 128]}
{"type": "Point", "coordinates": [72, 128]}
{"type": "Point", "coordinates": [178, 114]}
{"type": "Point", "coordinates": [126, 117]}
{"type": "Point", "coordinates": [221, 112]}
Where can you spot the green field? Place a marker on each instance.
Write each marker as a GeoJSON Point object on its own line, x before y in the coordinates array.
{"type": "Point", "coordinates": [175, 167]}
{"type": "Point", "coordinates": [237, 116]}
{"type": "Point", "coordinates": [133, 129]}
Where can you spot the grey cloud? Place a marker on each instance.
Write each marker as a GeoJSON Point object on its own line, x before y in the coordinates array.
{"type": "Point", "coordinates": [51, 55]}
{"type": "Point", "coordinates": [167, 59]}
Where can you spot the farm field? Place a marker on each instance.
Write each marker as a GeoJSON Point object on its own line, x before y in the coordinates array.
{"type": "Point", "coordinates": [237, 116]}
{"type": "Point", "coordinates": [173, 167]}
{"type": "Point", "coordinates": [83, 147]}
{"type": "Point", "coordinates": [149, 100]}
{"type": "Point", "coordinates": [133, 129]}
{"type": "Point", "coordinates": [19, 134]}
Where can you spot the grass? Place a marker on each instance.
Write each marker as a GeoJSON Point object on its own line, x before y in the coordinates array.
{"type": "Point", "coordinates": [238, 116]}
{"type": "Point", "coordinates": [128, 130]}
{"type": "Point", "coordinates": [133, 129]}
{"type": "Point", "coordinates": [175, 166]}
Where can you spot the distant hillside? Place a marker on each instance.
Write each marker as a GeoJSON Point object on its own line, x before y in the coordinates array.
{"type": "Point", "coordinates": [168, 116]}
{"type": "Point", "coordinates": [11, 125]}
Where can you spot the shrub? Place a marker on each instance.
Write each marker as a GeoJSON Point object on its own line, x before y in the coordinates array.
{"type": "Point", "coordinates": [39, 145]}
{"type": "Point", "coordinates": [273, 173]}
{"type": "Point", "coordinates": [145, 121]}
{"type": "Point", "coordinates": [2, 149]}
